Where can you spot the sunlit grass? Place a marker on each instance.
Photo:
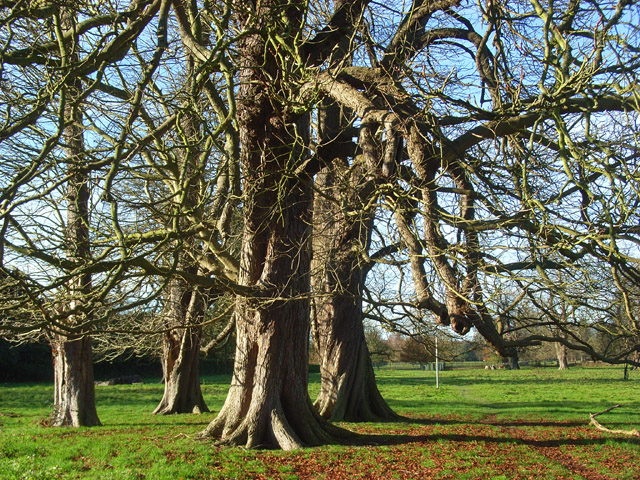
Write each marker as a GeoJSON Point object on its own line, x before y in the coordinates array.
{"type": "Point", "coordinates": [478, 424]}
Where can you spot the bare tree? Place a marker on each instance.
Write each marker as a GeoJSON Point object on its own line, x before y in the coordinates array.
{"type": "Point", "coordinates": [48, 197]}
{"type": "Point", "coordinates": [341, 241]}
{"type": "Point", "coordinates": [74, 397]}
{"type": "Point", "coordinates": [507, 185]}
{"type": "Point", "coordinates": [500, 139]}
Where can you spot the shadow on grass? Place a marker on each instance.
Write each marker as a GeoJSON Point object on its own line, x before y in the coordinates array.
{"type": "Point", "coordinates": [518, 408]}
{"type": "Point", "coordinates": [152, 425]}
{"type": "Point", "coordinates": [405, 439]}
{"type": "Point", "coordinates": [507, 431]}
{"type": "Point", "coordinates": [493, 422]}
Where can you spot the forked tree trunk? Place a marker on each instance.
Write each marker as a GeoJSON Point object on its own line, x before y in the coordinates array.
{"type": "Point", "coordinates": [185, 305]}
{"type": "Point", "coordinates": [348, 390]}
{"type": "Point", "coordinates": [268, 404]}
{"type": "Point", "coordinates": [184, 309]}
{"type": "Point", "coordinates": [181, 351]}
{"type": "Point", "coordinates": [74, 393]}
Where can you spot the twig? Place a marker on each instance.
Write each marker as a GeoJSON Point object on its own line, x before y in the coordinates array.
{"type": "Point", "coordinates": [607, 410]}
{"type": "Point", "coordinates": [599, 426]}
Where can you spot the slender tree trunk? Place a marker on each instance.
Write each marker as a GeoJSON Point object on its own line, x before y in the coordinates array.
{"type": "Point", "coordinates": [268, 404]}
{"type": "Point", "coordinates": [181, 351]}
{"type": "Point", "coordinates": [561, 355]}
{"type": "Point", "coordinates": [74, 394]}
{"type": "Point", "coordinates": [185, 305]}
{"type": "Point", "coordinates": [348, 389]}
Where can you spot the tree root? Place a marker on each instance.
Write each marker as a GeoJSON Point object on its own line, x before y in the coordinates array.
{"type": "Point", "coordinates": [599, 426]}
{"type": "Point", "coordinates": [273, 429]}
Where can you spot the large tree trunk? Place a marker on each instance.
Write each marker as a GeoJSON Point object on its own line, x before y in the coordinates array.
{"type": "Point", "coordinates": [74, 393]}
{"type": "Point", "coordinates": [268, 404]}
{"type": "Point", "coordinates": [348, 389]}
{"type": "Point", "coordinates": [341, 238]}
{"type": "Point", "coordinates": [511, 361]}
{"type": "Point", "coordinates": [181, 351]}
{"type": "Point", "coordinates": [561, 354]}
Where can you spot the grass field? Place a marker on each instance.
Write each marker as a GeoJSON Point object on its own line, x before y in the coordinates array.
{"type": "Point", "coordinates": [479, 425]}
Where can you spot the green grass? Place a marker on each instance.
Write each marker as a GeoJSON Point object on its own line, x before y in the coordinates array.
{"type": "Point", "coordinates": [478, 425]}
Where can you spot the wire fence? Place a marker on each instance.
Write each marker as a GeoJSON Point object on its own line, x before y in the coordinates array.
{"type": "Point", "coordinates": [457, 365]}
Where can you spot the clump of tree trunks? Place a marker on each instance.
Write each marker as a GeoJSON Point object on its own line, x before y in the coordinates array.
{"type": "Point", "coordinates": [469, 167]}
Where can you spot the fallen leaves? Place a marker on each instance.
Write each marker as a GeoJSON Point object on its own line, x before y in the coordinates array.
{"type": "Point", "coordinates": [450, 450]}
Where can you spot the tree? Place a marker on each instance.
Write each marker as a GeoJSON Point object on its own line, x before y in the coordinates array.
{"type": "Point", "coordinates": [506, 180]}
{"type": "Point", "coordinates": [268, 402]}
{"type": "Point", "coordinates": [74, 396]}
{"type": "Point", "coordinates": [378, 346]}
{"type": "Point", "coordinates": [343, 217]}
{"type": "Point", "coordinates": [48, 195]}
{"type": "Point", "coordinates": [184, 305]}
{"type": "Point", "coordinates": [341, 239]}
{"type": "Point", "coordinates": [451, 189]}
{"type": "Point", "coordinates": [491, 168]}
{"type": "Point", "coordinates": [415, 350]}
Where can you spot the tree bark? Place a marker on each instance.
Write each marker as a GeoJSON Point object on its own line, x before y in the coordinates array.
{"type": "Point", "coordinates": [268, 404]}
{"type": "Point", "coordinates": [74, 391]}
{"type": "Point", "coordinates": [341, 235]}
{"type": "Point", "coordinates": [181, 351]}
{"type": "Point", "coordinates": [348, 390]}
{"type": "Point", "coordinates": [511, 361]}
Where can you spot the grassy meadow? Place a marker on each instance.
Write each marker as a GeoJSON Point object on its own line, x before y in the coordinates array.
{"type": "Point", "coordinates": [528, 424]}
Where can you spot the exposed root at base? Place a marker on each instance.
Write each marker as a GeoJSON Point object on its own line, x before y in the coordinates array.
{"type": "Point", "coordinates": [274, 430]}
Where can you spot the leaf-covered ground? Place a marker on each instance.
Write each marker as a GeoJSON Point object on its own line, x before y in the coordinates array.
{"type": "Point", "coordinates": [531, 424]}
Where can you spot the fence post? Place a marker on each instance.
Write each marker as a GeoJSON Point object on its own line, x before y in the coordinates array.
{"type": "Point", "coordinates": [437, 366]}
